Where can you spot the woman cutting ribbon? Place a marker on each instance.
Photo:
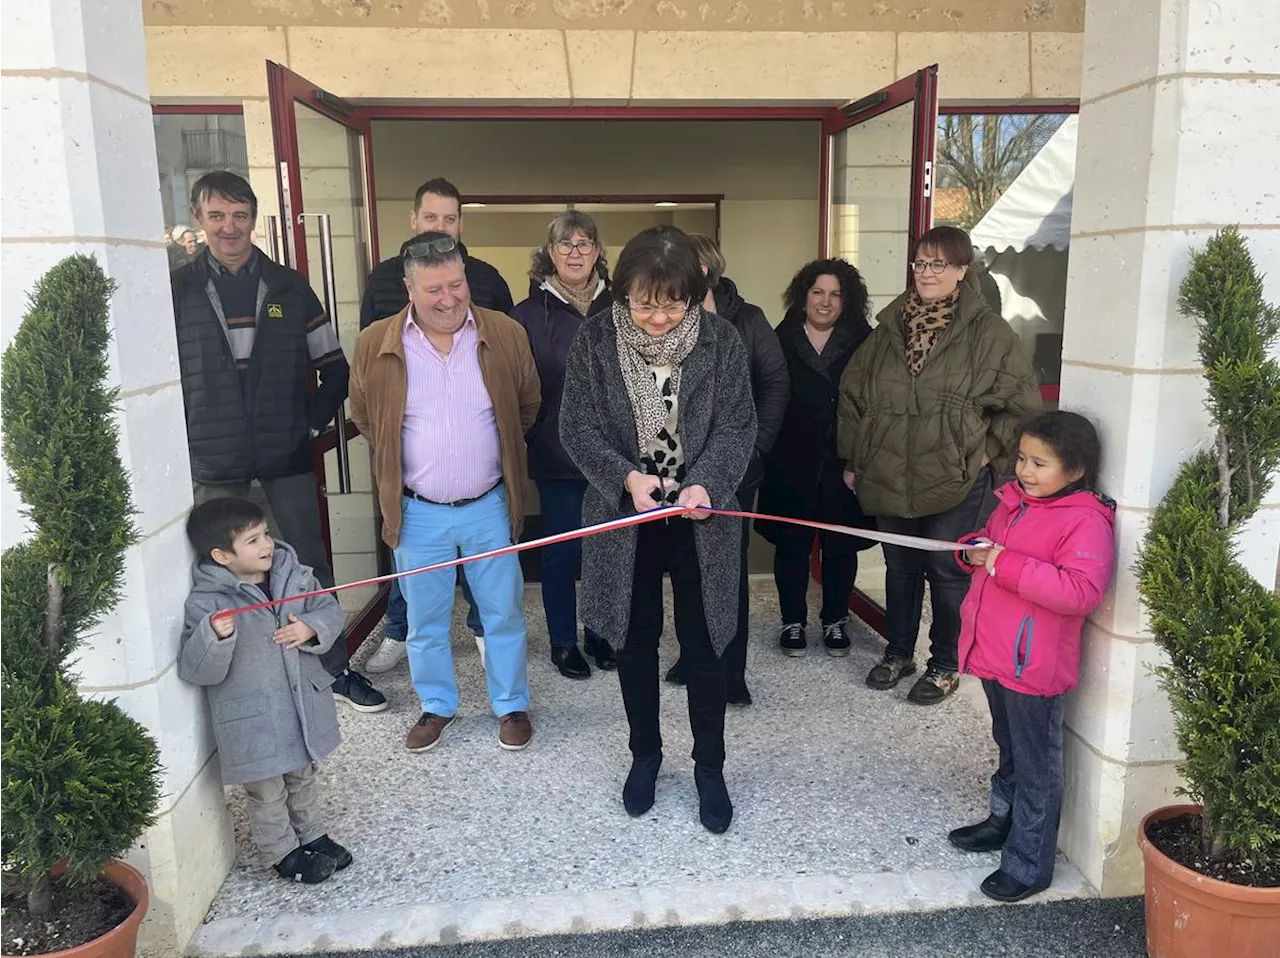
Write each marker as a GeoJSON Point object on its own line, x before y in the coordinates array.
{"type": "Point", "coordinates": [657, 408]}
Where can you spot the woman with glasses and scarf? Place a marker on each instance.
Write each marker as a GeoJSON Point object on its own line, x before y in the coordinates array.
{"type": "Point", "coordinates": [658, 410]}
{"type": "Point", "coordinates": [929, 408]}
{"type": "Point", "coordinates": [568, 282]}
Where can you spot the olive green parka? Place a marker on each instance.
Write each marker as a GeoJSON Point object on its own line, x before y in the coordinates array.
{"type": "Point", "coordinates": [916, 443]}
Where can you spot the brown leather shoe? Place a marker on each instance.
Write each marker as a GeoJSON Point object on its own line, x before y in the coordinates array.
{"type": "Point", "coordinates": [426, 734]}
{"type": "Point", "coordinates": [514, 731]}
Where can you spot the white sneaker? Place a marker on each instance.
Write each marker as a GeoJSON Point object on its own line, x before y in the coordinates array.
{"type": "Point", "coordinates": [479, 648]}
{"type": "Point", "coordinates": [390, 654]}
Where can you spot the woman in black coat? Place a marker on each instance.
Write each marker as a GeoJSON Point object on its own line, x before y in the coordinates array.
{"type": "Point", "coordinates": [803, 476]}
{"type": "Point", "coordinates": [770, 390]}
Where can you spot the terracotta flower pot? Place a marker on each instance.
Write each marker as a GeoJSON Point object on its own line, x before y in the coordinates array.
{"type": "Point", "coordinates": [1190, 915]}
{"type": "Point", "coordinates": [122, 940]}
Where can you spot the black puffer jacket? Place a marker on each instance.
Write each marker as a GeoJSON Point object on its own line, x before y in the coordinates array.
{"type": "Point", "coordinates": [257, 428]}
{"type": "Point", "coordinates": [770, 382]}
{"type": "Point", "coordinates": [385, 295]}
{"type": "Point", "coordinates": [803, 475]}
{"type": "Point", "coordinates": [550, 323]}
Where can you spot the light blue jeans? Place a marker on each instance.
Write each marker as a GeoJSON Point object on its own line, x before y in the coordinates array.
{"type": "Point", "coordinates": [430, 534]}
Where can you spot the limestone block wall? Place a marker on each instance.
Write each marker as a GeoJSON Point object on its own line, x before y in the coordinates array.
{"type": "Point", "coordinates": [80, 175]}
{"type": "Point", "coordinates": [1179, 99]}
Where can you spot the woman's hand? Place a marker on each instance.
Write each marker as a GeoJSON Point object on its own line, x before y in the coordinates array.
{"type": "Point", "coordinates": [850, 478]}
{"type": "Point", "coordinates": [693, 496]}
{"type": "Point", "coordinates": [643, 488]}
{"type": "Point", "coordinates": [977, 557]}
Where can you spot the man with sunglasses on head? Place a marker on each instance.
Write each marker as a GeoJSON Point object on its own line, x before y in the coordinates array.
{"type": "Point", "coordinates": [444, 391]}
{"type": "Point", "coordinates": [437, 206]}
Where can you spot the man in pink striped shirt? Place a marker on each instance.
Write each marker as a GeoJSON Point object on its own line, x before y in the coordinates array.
{"type": "Point", "coordinates": [444, 391]}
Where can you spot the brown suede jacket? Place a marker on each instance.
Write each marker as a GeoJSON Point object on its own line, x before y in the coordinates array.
{"type": "Point", "coordinates": [379, 386]}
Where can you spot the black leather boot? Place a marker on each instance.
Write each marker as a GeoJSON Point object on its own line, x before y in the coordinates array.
{"type": "Point", "coordinates": [986, 836]}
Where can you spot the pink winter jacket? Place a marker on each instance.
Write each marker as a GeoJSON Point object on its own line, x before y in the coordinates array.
{"type": "Point", "coordinates": [1021, 627]}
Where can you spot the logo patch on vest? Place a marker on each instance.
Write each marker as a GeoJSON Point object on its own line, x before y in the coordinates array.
{"type": "Point", "coordinates": [275, 311]}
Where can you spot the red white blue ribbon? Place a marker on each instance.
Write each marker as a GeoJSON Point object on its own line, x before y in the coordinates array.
{"type": "Point", "coordinates": [639, 518]}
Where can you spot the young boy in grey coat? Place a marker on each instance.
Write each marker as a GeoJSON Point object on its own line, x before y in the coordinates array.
{"type": "Point", "coordinates": [273, 711]}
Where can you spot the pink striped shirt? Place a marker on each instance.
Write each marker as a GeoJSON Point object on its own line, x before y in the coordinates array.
{"type": "Point", "coordinates": [450, 436]}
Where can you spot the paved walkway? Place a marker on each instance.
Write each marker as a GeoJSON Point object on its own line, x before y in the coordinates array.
{"type": "Point", "coordinates": [1093, 928]}
{"type": "Point", "coordinates": [843, 799]}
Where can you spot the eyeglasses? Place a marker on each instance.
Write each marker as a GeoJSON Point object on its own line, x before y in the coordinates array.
{"type": "Point", "coordinates": [584, 247]}
{"type": "Point", "coordinates": [933, 266]}
{"type": "Point", "coordinates": [444, 244]}
{"type": "Point", "coordinates": [668, 311]}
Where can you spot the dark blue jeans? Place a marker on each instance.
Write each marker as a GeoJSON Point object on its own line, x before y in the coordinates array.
{"type": "Point", "coordinates": [561, 512]}
{"type": "Point", "coordinates": [905, 572]}
{"type": "Point", "coordinates": [1028, 780]}
{"type": "Point", "coordinates": [398, 611]}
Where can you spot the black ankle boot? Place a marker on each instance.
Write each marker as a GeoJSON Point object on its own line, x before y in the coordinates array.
{"type": "Point", "coordinates": [637, 793]}
{"type": "Point", "coordinates": [714, 807]}
{"type": "Point", "coordinates": [1001, 886]}
{"type": "Point", "coordinates": [986, 836]}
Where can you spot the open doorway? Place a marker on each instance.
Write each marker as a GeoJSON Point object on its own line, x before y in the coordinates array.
{"type": "Point", "coordinates": [791, 183]}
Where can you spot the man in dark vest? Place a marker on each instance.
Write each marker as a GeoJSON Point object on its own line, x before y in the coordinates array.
{"type": "Point", "coordinates": [252, 338]}
{"type": "Point", "coordinates": [437, 208]}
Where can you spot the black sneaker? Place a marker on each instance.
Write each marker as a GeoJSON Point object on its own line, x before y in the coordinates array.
{"type": "Point", "coordinates": [325, 845]}
{"type": "Point", "coordinates": [308, 867]}
{"type": "Point", "coordinates": [791, 639]}
{"type": "Point", "coordinates": [353, 689]}
{"type": "Point", "coordinates": [835, 638]}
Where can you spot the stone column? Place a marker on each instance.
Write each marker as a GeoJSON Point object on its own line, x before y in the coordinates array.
{"type": "Point", "coordinates": [79, 175]}
{"type": "Point", "coordinates": [1180, 104]}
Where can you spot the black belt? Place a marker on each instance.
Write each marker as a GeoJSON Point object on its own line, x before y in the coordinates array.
{"type": "Point", "coordinates": [456, 503]}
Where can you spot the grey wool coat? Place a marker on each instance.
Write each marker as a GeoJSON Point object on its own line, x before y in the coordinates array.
{"type": "Point", "coordinates": [273, 710]}
{"type": "Point", "coordinates": [717, 427]}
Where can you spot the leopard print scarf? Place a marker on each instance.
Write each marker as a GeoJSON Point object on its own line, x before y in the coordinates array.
{"type": "Point", "coordinates": [923, 323]}
{"type": "Point", "coordinates": [637, 352]}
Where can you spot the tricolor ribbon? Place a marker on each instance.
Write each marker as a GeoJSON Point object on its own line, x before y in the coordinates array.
{"type": "Point", "coordinates": [639, 518]}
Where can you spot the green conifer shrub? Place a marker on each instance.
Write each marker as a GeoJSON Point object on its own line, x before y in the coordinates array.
{"type": "Point", "coordinates": [79, 779]}
{"type": "Point", "coordinates": [1219, 626]}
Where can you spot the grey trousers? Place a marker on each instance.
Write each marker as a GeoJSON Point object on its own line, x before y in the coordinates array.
{"type": "Point", "coordinates": [284, 812]}
{"type": "Point", "coordinates": [294, 516]}
{"type": "Point", "coordinates": [1028, 783]}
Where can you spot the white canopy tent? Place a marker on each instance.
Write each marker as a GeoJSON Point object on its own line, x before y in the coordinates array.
{"type": "Point", "coordinates": [1024, 239]}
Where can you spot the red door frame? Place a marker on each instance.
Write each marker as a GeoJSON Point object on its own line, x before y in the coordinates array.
{"type": "Point", "coordinates": [921, 88]}
{"type": "Point", "coordinates": [286, 89]}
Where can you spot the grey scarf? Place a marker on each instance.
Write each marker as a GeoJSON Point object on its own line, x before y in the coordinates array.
{"type": "Point", "coordinates": [637, 351]}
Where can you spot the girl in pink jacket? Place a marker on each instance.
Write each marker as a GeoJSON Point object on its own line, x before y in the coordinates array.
{"type": "Point", "coordinates": [1041, 565]}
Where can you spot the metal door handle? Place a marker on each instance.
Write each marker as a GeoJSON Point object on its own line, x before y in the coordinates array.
{"type": "Point", "coordinates": [330, 285]}
{"type": "Point", "coordinates": [272, 224]}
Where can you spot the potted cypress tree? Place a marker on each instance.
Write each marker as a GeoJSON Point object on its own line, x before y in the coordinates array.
{"type": "Point", "coordinates": [80, 778]}
{"type": "Point", "coordinates": [1213, 868]}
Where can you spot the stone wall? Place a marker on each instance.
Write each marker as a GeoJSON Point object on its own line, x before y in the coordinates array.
{"type": "Point", "coordinates": [727, 15]}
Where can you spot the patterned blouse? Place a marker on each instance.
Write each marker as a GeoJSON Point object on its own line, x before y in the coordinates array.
{"type": "Point", "coordinates": [665, 457]}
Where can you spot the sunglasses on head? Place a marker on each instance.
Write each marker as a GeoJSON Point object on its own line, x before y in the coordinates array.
{"type": "Point", "coordinates": [445, 244]}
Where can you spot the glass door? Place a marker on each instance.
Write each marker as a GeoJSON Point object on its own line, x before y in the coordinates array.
{"type": "Point", "coordinates": [328, 232]}
{"type": "Point", "coordinates": [877, 198]}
